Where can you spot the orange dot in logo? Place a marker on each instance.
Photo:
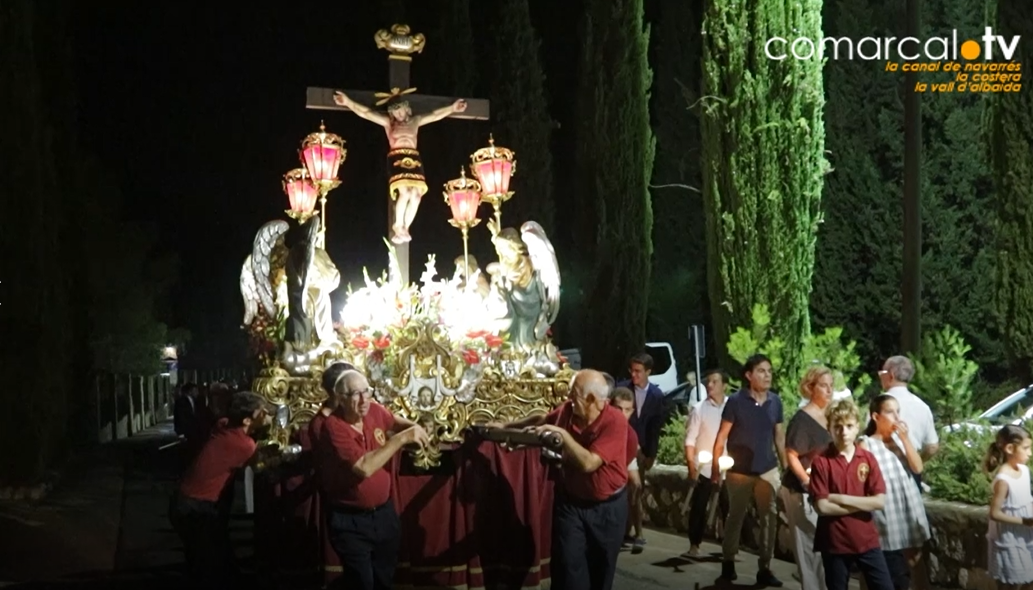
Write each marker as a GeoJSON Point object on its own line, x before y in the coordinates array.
{"type": "Point", "coordinates": [970, 50]}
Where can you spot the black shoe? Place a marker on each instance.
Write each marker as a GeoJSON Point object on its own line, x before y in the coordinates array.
{"type": "Point", "coordinates": [728, 571]}
{"type": "Point", "coordinates": [766, 578]}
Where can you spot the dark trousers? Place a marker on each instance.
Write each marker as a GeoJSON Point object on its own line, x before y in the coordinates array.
{"type": "Point", "coordinates": [900, 571]}
{"type": "Point", "coordinates": [586, 539]}
{"type": "Point", "coordinates": [698, 508]}
{"type": "Point", "coordinates": [872, 565]}
{"type": "Point", "coordinates": [366, 541]}
{"type": "Point", "coordinates": [206, 542]}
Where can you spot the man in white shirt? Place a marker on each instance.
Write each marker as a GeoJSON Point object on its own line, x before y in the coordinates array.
{"type": "Point", "coordinates": [700, 435]}
{"type": "Point", "coordinates": [894, 377]}
{"type": "Point", "coordinates": [696, 392]}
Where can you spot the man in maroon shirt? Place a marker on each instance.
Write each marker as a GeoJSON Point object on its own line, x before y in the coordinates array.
{"type": "Point", "coordinates": [354, 448]}
{"type": "Point", "coordinates": [591, 506]}
{"type": "Point", "coordinates": [195, 512]}
{"type": "Point", "coordinates": [846, 486]}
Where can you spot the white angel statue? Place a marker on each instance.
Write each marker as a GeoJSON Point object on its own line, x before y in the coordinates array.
{"type": "Point", "coordinates": [527, 279]}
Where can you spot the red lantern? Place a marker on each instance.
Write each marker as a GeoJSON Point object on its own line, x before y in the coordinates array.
{"type": "Point", "coordinates": [463, 197]}
{"type": "Point", "coordinates": [493, 166]}
{"type": "Point", "coordinates": [322, 154]}
{"type": "Point", "coordinates": [301, 193]}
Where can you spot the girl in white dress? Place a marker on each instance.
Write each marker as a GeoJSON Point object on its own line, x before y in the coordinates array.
{"type": "Point", "coordinates": [1010, 534]}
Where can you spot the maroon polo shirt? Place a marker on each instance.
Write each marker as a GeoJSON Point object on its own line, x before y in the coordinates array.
{"type": "Point", "coordinates": [607, 437]}
{"type": "Point", "coordinates": [341, 448]}
{"type": "Point", "coordinates": [855, 533]}
{"type": "Point", "coordinates": [632, 446]}
{"type": "Point", "coordinates": [227, 450]}
{"type": "Point", "coordinates": [315, 427]}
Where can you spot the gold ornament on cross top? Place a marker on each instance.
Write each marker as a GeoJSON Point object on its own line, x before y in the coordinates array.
{"type": "Point", "coordinates": [399, 42]}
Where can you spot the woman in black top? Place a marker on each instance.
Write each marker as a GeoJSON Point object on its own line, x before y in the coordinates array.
{"type": "Point", "coordinates": [806, 437]}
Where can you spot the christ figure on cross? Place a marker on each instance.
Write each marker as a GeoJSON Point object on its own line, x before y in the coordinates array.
{"type": "Point", "coordinates": [406, 182]}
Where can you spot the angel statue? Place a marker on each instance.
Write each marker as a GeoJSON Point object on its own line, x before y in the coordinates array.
{"type": "Point", "coordinates": [262, 273]}
{"type": "Point", "coordinates": [311, 277]}
{"type": "Point", "coordinates": [527, 278]}
{"type": "Point", "coordinates": [287, 272]}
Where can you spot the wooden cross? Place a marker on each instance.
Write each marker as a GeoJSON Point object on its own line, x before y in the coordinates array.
{"type": "Point", "coordinates": [400, 45]}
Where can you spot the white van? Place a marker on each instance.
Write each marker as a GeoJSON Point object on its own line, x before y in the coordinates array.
{"type": "Point", "coordinates": [665, 369]}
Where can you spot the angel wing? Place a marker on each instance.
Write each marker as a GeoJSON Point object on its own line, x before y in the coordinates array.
{"type": "Point", "coordinates": [543, 259]}
{"type": "Point", "coordinates": [265, 241]}
{"type": "Point", "coordinates": [249, 290]}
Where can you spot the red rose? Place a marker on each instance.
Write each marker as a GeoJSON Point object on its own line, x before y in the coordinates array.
{"type": "Point", "coordinates": [471, 357]}
{"type": "Point", "coordinates": [493, 341]}
{"type": "Point", "coordinates": [377, 356]}
{"type": "Point", "coordinates": [473, 335]}
{"type": "Point", "coordinates": [360, 342]}
{"type": "Point", "coordinates": [382, 342]}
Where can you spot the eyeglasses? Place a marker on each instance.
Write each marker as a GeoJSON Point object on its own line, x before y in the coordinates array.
{"type": "Point", "coordinates": [883, 372]}
{"type": "Point", "coordinates": [365, 393]}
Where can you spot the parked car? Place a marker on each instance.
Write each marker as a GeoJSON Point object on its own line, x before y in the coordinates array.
{"type": "Point", "coordinates": [1014, 409]}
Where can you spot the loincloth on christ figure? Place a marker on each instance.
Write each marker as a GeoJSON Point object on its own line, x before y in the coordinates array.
{"type": "Point", "coordinates": [405, 169]}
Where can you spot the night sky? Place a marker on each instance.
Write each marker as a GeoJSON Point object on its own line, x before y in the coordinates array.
{"type": "Point", "coordinates": [199, 112]}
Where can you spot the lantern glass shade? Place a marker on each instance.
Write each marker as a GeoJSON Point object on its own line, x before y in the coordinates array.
{"type": "Point", "coordinates": [463, 196]}
{"type": "Point", "coordinates": [494, 175]}
{"type": "Point", "coordinates": [464, 203]}
{"type": "Point", "coordinates": [300, 191]}
{"type": "Point", "coordinates": [322, 154]}
{"type": "Point", "coordinates": [493, 167]}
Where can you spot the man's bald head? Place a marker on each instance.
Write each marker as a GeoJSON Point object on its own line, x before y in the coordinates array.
{"type": "Point", "coordinates": [590, 381]}
{"type": "Point", "coordinates": [351, 381]}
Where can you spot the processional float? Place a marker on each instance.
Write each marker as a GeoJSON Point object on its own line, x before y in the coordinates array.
{"type": "Point", "coordinates": [449, 353]}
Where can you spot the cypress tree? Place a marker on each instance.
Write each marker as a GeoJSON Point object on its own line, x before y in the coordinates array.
{"type": "Point", "coordinates": [677, 296]}
{"type": "Point", "coordinates": [1011, 152]}
{"type": "Point", "coordinates": [36, 345]}
{"type": "Point", "coordinates": [858, 267]}
{"type": "Point", "coordinates": [763, 142]}
{"type": "Point", "coordinates": [614, 159]}
{"type": "Point", "coordinates": [521, 113]}
{"type": "Point", "coordinates": [858, 261]}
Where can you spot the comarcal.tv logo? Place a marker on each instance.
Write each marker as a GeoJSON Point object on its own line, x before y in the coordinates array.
{"type": "Point", "coordinates": [886, 48]}
{"type": "Point", "coordinates": [988, 65]}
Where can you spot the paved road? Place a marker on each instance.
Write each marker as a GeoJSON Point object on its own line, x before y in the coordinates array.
{"type": "Point", "coordinates": [106, 526]}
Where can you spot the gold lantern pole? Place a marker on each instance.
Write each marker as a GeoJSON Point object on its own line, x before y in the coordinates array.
{"type": "Point", "coordinates": [463, 196]}
{"type": "Point", "coordinates": [493, 166]}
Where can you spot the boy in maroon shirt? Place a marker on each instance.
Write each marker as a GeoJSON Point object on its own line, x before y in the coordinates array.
{"type": "Point", "coordinates": [196, 513]}
{"type": "Point", "coordinates": [846, 486]}
{"type": "Point", "coordinates": [352, 452]}
{"type": "Point", "coordinates": [591, 506]}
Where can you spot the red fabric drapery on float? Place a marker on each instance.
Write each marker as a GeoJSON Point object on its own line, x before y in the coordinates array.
{"type": "Point", "coordinates": [481, 520]}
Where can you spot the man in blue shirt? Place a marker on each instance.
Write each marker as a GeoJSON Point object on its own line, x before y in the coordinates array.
{"type": "Point", "coordinates": [751, 428]}
{"type": "Point", "coordinates": [647, 421]}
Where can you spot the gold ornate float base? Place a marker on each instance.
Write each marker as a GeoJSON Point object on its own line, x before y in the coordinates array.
{"type": "Point", "coordinates": [421, 376]}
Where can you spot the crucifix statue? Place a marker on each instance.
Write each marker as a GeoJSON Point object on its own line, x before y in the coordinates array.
{"type": "Point", "coordinates": [406, 183]}
{"type": "Point", "coordinates": [404, 114]}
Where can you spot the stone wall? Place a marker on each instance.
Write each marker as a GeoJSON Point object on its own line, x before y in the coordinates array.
{"type": "Point", "coordinates": [955, 556]}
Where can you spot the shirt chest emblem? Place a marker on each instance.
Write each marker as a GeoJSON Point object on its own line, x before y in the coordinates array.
{"type": "Point", "coordinates": [378, 435]}
{"type": "Point", "coordinates": [862, 472]}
